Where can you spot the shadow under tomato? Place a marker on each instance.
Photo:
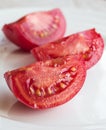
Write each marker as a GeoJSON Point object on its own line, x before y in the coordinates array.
{"type": "Point", "coordinates": [22, 113]}
{"type": "Point", "coordinates": [45, 117]}
{"type": "Point", "coordinates": [6, 101]}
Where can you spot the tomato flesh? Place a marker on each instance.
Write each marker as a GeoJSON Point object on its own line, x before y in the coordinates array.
{"type": "Point", "coordinates": [89, 44]}
{"type": "Point", "coordinates": [36, 29]}
{"type": "Point", "coordinates": [46, 84]}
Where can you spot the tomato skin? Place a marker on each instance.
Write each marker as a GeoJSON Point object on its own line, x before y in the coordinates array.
{"type": "Point", "coordinates": [20, 81]}
{"type": "Point", "coordinates": [22, 32]}
{"type": "Point", "coordinates": [13, 33]}
{"type": "Point", "coordinates": [87, 43]}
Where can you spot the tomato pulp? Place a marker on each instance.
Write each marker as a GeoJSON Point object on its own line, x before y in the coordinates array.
{"type": "Point", "coordinates": [46, 84]}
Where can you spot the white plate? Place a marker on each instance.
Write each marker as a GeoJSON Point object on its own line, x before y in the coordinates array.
{"type": "Point", "coordinates": [86, 110]}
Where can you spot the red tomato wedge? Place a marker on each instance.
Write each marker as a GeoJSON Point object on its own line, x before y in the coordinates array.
{"type": "Point", "coordinates": [36, 28]}
{"type": "Point", "coordinates": [46, 84]}
{"type": "Point", "coordinates": [89, 44]}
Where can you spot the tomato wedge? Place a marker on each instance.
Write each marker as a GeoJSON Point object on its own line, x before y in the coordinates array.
{"type": "Point", "coordinates": [36, 28]}
{"type": "Point", "coordinates": [89, 44]}
{"type": "Point", "coordinates": [46, 84]}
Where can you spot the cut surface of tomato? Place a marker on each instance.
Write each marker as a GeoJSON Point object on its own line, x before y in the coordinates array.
{"type": "Point", "coordinates": [89, 44]}
{"type": "Point", "coordinates": [36, 28]}
{"type": "Point", "coordinates": [47, 84]}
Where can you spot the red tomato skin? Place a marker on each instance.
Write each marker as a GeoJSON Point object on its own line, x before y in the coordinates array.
{"type": "Point", "coordinates": [68, 46]}
{"type": "Point", "coordinates": [17, 79]}
{"type": "Point", "coordinates": [13, 33]}
{"type": "Point", "coordinates": [20, 34]}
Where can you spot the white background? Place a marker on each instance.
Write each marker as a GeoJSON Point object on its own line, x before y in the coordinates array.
{"type": "Point", "coordinates": [87, 4]}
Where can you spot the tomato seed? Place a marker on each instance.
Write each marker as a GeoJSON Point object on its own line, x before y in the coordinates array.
{"type": "Point", "coordinates": [62, 85]}
{"type": "Point", "coordinates": [50, 90]}
{"type": "Point", "coordinates": [73, 69]}
{"type": "Point", "coordinates": [42, 35]}
{"type": "Point", "coordinates": [85, 56]}
{"type": "Point", "coordinates": [43, 91]}
{"type": "Point", "coordinates": [54, 26]}
{"type": "Point", "coordinates": [32, 90]}
{"type": "Point", "coordinates": [56, 19]}
{"type": "Point", "coordinates": [56, 88]}
{"type": "Point", "coordinates": [38, 92]}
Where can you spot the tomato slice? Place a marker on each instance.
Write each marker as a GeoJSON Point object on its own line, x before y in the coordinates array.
{"type": "Point", "coordinates": [46, 84]}
{"type": "Point", "coordinates": [36, 28]}
{"type": "Point", "coordinates": [89, 44]}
